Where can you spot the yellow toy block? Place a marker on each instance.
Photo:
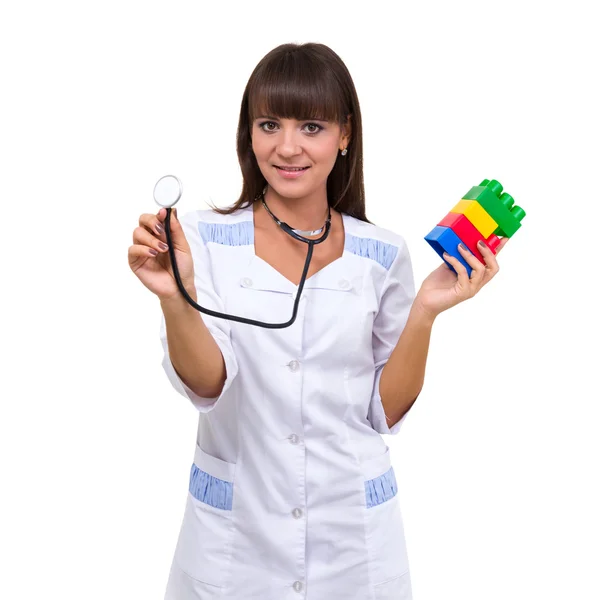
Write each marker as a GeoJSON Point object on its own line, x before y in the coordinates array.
{"type": "Point", "coordinates": [477, 215]}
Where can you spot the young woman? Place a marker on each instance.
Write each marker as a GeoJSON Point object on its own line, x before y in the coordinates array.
{"type": "Point", "coordinates": [292, 493]}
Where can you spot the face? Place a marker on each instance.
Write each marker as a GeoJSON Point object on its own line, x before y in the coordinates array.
{"type": "Point", "coordinates": [288, 142]}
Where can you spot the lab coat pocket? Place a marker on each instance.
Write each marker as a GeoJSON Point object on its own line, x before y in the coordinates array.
{"type": "Point", "coordinates": [204, 545]}
{"type": "Point", "coordinates": [398, 588]}
{"type": "Point", "coordinates": [384, 528]}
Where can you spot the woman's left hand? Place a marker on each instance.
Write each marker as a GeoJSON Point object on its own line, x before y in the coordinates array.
{"type": "Point", "coordinates": [443, 288]}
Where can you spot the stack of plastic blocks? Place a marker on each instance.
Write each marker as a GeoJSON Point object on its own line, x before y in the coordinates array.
{"type": "Point", "coordinates": [484, 213]}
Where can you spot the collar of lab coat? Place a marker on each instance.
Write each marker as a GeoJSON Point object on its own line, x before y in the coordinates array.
{"type": "Point", "coordinates": [338, 276]}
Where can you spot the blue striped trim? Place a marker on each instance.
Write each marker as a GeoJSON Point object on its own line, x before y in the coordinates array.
{"type": "Point", "coordinates": [210, 490]}
{"type": "Point", "coordinates": [376, 250]}
{"type": "Point", "coordinates": [380, 489]}
{"type": "Point", "coordinates": [242, 234]}
{"type": "Point", "coordinates": [228, 234]}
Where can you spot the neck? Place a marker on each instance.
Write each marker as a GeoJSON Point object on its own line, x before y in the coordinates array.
{"type": "Point", "coordinates": [307, 213]}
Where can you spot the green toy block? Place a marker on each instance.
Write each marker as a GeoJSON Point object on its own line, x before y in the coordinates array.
{"type": "Point", "coordinates": [498, 205]}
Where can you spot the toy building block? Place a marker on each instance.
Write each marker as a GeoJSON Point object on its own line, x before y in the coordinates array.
{"type": "Point", "coordinates": [469, 234]}
{"type": "Point", "coordinates": [483, 214]}
{"type": "Point", "coordinates": [443, 239]}
{"type": "Point", "coordinates": [498, 205]}
{"type": "Point", "coordinates": [477, 215]}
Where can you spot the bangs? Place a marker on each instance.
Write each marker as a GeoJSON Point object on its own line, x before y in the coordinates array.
{"type": "Point", "coordinates": [293, 86]}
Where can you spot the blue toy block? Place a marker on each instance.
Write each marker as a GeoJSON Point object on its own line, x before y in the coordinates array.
{"type": "Point", "coordinates": [443, 239]}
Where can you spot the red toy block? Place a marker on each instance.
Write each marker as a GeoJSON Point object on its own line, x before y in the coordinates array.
{"type": "Point", "coordinates": [469, 234]}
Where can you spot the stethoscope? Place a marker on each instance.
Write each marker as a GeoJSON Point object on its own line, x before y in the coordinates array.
{"type": "Point", "coordinates": [167, 192]}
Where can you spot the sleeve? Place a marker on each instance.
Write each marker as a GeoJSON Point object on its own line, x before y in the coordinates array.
{"type": "Point", "coordinates": [397, 296]}
{"type": "Point", "coordinates": [219, 328]}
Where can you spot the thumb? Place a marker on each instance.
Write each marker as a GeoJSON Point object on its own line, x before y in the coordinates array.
{"type": "Point", "coordinates": [177, 235]}
{"type": "Point", "coordinates": [175, 224]}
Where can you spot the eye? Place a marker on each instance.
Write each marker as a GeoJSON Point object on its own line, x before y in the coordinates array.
{"type": "Point", "coordinates": [314, 125]}
{"type": "Point", "coordinates": [261, 126]}
{"type": "Point", "coordinates": [270, 130]}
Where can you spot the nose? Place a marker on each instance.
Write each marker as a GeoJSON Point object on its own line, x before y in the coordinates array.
{"type": "Point", "coordinates": [289, 142]}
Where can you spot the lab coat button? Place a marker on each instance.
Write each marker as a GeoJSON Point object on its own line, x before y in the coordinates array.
{"type": "Point", "coordinates": [247, 282]}
{"type": "Point", "coordinates": [297, 513]}
{"type": "Point", "coordinates": [294, 365]}
{"type": "Point", "coordinates": [298, 586]}
{"type": "Point", "coordinates": [293, 438]}
{"type": "Point", "coordinates": [344, 284]}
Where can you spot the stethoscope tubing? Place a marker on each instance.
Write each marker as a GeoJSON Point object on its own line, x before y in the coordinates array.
{"type": "Point", "coordinates": [220, 315]}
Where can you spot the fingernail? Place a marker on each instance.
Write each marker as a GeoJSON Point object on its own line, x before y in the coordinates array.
{"type": "Point", "coordinates": [159, 228]}
{"type": "Point", "coordinates": [464, 247]}
{"type": "Point", "coordinates": [162, 245]}
{"type": "Point", "coordinates": [481, 244]}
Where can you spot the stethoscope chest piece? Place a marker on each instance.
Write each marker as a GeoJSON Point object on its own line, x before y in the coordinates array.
{"type": "Point", "coordinates": [167, 191]}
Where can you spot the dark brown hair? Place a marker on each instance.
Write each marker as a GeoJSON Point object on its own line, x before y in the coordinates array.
{"type": "Point", "coordinates": [303, 81]}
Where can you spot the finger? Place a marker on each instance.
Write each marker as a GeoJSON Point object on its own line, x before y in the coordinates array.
{"type": "Point", "coordinates": [162, 214]}
{"type": "Point", "coordinates": [178, 239]}
{"type": "Point", "coordinates": [142, 236]}
{"type": "Point", "coordinates": [461, 271]}
{"type": "Point", "coordinates": [501, 245]}
{"type": "Point", "coordinates": [154, 224]}
{"type": "Point", "coordinates": [489, 257]}
{"type": "Point", "coordinates": [478, 267]}
{"type": "Point", "coordinates": [139, 252]}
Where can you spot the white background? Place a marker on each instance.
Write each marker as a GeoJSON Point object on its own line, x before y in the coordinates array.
{"type": "Point", "coordinates": [497, 465]}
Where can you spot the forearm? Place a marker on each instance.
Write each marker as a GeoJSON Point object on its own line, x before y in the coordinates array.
{"type": "Point", "coordinates": [403, 375]}
{"type": "Point", "coordinates": [193, 350]}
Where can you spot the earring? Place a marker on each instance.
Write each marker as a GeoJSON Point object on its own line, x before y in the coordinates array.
{"type": "Point", "coordinates": [344, 151]}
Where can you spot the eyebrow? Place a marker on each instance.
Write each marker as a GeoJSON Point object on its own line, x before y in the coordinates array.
{"type": "Point", "coordinates": [277, 119]}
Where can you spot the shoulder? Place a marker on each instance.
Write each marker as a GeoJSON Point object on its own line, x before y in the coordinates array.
{"type": "Point", "coordinates": [232, 229]}
{"type": "Point", "coordinates": [365, 230]}
{"type": "Point", "coordinates": [208, 215]}
{"type": "Point", "coordinates": [373, 241]}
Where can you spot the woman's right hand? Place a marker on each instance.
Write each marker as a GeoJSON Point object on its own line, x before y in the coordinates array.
{"type": "Point", "coordinates": [151, 262]}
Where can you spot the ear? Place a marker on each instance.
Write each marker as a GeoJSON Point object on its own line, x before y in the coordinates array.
{"type": "Point", "coordinates": [347, 129]}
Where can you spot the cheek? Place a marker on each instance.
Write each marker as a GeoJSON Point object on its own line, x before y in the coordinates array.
{"type": "Point", "coordinates": [260, 153]}
{"type": "Point", "coordinates": [256, 143]}
{"type": "Point", "coordinates": [327, 152]}
{"type": "Point", "coordinates": [263, 156]}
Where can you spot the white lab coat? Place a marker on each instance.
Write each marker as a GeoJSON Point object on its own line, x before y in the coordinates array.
{"type": "Point", "coordinates": [292, 494]}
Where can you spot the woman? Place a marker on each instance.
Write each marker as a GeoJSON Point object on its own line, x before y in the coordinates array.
{"type": "Point", "coordinates": [292, 492]}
